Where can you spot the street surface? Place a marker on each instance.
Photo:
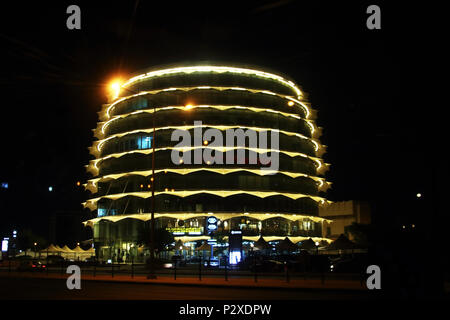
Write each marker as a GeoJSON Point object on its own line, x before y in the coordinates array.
{"type": "Point", "coordinates": [55, 289]}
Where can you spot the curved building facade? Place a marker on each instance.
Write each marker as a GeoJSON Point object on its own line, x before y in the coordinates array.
{"type": "Point", "coordinates": [274, 203]}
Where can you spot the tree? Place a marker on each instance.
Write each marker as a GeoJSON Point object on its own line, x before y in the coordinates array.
{"type": "Point", "coordinates": [362, 233]}
{"type": "Point", "coordinates": [162, 238]}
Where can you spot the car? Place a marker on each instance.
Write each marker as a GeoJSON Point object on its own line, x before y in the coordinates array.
{"type": "Point", "coordinates": [267, 266]}
{"type": "Point", "coordinates": [55, 260]}
{"type": "Point", "coordinates": [349, 264]}
{"type": "Point", "coordinates": [31, 265]}
{"type": "Point", "coordinates": [179, 260]}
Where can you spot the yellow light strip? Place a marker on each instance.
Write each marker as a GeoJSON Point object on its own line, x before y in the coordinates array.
{"type": "Point", "coordinates": [222, 128]}
{"type": "Point", "coordinates": [92, 203]}
{"type": "Point", "coordinates": [217, 69]}
{"type": "Point", "coordinates": [298, 102]}
{"type": "Point", "coordinates": [221, 171]}
{"type": "Point", "coordinates": [221, 216]}
{"type": "Point", "coordinates": [323, 185]}
{"type": "Point", "coordinates": [222, 149]}
{"type": "Point", "coordinates": [219, 107]}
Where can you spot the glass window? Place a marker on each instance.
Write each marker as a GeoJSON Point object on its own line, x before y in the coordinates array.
{"type": "Point", "coordinates": [144, 142]}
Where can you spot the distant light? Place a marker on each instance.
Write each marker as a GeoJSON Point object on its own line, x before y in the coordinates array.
{"type": "Point", "coordinates": [148, 186]}
{"type": "Point", "coordinates": [413, 226]}
{"type": "Point", "coordinates": [14, 232]}
{"type": "Point", "coordinates": [290, 103]}
{"type": "Point", "coordinates": [5, 185]}
{"type": "Point", "coordinates": [252, 245]}
{"type": "Point", "coordinates": [142, 186]}
{"type": "Point", "coordinates": [78, 183]}
{"type": "Point", "coordinates": [404, 227]}
{"type": "Point", "coordinates": [188, 107]}
{"type": "Point", "coordinates": [418, 195]}
{"type": "Point", "coordinates": [317, 243]}
{"type": "Point", "coordinates": [50, 189]}
{"type": "Point", "coordinates": [181, 161]}
{"type": "Point", "coordinates": [35, 244]}
{"type": "Point", "coordinates": [151, 179]}
{"type": "Point", "coordinates": [205, 142]}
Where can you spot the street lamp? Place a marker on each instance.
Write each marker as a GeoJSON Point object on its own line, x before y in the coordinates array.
{"type": "Point", "coordinates": [317, 247]}
{"type": "Point", "coordinates": [35, 244]}
{"type": "Point", "coordinates": [116, 87]}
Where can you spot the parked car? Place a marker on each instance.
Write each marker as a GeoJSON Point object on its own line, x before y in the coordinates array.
{"type": "Point", "coordinates": [55, 260]}
{"type": "Point", "coordinates": [349, 264]}
{"type": "Point", "coordinates": [267, 266]}
{"type": "Point", "coordinates": [31, 265]}
{"type": "Point", "coordinates": [179, 260]}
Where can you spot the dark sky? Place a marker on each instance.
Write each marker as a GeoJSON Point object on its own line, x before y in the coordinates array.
{"type": "Point", "coordinates": [362, 82]}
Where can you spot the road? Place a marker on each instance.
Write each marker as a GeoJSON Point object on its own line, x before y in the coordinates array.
{"type": "Point", "coordinates": [51, 289]}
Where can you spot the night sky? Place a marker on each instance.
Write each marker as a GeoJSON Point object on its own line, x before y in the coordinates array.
{"type": "Point", "coordinates": [362, 82]}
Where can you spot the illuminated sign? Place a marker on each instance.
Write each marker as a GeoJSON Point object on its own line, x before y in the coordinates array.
{"type": "Point", "coordinates": [211, 224]}
{"type": "Point", "coordinates": [5, 244]}
{"type": "Point", "coordinates": [235, 257]}
{"type": "Point", "coordinates": [212, 220]}
{"type": "Point", "coordinates": [184, 230]}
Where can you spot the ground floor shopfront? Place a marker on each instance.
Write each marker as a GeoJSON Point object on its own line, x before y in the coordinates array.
{"type": "Point", "coordinates": [125, 238]}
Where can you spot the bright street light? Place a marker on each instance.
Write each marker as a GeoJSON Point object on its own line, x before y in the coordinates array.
{"type": "Point", "coordinates": [115, 88]}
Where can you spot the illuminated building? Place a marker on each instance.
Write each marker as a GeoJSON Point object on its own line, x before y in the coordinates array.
{"type": "Point", "coordinates": [240, 196]}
